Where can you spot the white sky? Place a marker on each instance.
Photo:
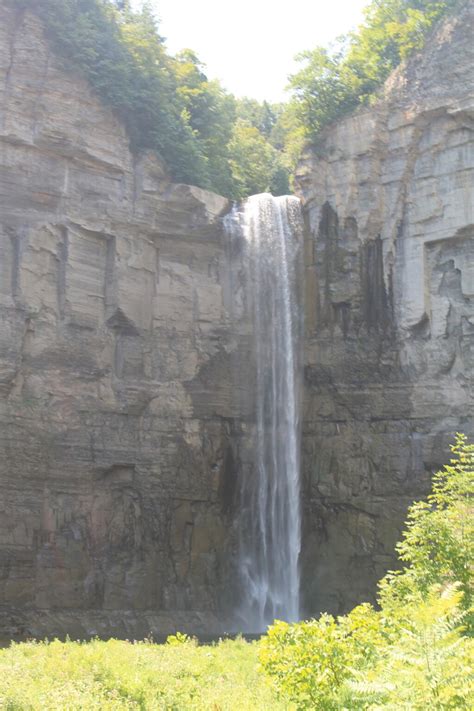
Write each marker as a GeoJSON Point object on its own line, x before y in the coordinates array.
{"type": "Point", "coordinates": [250, 44]}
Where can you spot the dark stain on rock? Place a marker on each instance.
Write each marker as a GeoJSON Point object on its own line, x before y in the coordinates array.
{"type": "Point", "coordinates": [377, 312]}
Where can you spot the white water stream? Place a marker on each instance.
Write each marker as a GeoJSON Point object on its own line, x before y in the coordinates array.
{"type": "Point", "coordinates": [270, 511]}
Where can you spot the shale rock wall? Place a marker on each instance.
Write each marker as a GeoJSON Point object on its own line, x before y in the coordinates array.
{"type": "Point", "coordinates": [116, 405]}
{"type": "Point", "coordinates": [389, 361]}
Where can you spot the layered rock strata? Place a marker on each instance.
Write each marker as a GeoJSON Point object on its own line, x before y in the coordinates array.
{"type": "Point", "coordinates": [389, 374]}
{"type": "Point", "coordinates": [116, 406]}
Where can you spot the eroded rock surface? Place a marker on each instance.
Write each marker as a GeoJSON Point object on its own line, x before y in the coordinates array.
{"type": "Point", "coordinates": [389, 198]}
{"type": "Point", "coordinates": [116, 409]}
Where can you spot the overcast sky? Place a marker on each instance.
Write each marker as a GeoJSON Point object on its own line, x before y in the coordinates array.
{"type": "Point", "coordinates": [250, 44]}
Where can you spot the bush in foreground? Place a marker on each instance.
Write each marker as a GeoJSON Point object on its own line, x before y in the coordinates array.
{"type": "Point", "coordinates": [417, 651]}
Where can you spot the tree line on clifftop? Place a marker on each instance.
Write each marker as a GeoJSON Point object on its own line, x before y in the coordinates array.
{"type": "Point", "coordinates": [205, 135]}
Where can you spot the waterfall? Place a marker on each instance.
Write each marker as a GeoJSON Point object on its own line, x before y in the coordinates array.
{"type": "Point", "coordinates": [269, 519]}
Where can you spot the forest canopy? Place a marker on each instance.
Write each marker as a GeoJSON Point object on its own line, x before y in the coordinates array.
{"type": "Point", "coordinates": [335, 81]}
{"type": "Point", "coordinates": [205, 135]}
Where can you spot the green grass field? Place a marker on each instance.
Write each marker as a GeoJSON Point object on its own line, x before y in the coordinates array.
{"type": "Point", "coordinates": [124, 675]}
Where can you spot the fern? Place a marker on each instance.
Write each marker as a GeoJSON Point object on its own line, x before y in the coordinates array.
{"type": "Point", "coordinates": [428, 663]}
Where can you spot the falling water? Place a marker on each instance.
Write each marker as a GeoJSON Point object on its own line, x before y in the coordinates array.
{"type": "Point", "coordinates": [270, 516]}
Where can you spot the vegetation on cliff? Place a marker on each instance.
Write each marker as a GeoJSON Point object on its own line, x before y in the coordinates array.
{"type": "Point", "coordinates": [166, 102]}
{"type": "Point", "coordinates": [205, 135]}
{"type": "Point", "coordinates": [335, 81]}
{"type": "Point", "coordinates": [416, 652]}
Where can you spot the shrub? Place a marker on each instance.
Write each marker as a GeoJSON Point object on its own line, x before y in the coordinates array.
{"type": "Point", "coordinates": [438, 542]}
{"type": "Point", "coordinates": [415, 652]}
{"type": "Point", "coordinates": [310, 662]}
{"type": "Point", "coordinates": [426, 661]}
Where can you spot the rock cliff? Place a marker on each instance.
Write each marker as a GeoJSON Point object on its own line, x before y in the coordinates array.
{"type": "Point", "coordinates": [389, 361]}
{"type": "Point", "coordinates": [115, 400]}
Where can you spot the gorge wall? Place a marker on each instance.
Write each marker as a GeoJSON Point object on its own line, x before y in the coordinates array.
{"type": "Point", "coordinates": [116, 406]}
{"type": "Point", "coordinates": [389, 374]}
{"type": "Point", "coordinates": [124, 421]}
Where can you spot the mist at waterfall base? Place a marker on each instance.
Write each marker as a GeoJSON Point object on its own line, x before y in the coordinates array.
{"type": "Point", "coordinates": [269, 509]}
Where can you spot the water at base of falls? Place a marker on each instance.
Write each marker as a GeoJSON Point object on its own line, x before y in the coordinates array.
{"type": "Point", "coordinates": [269, 525]}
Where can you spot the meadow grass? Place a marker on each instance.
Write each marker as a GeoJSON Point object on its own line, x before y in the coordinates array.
{"type": "Point", "coordinates": [141, 675]}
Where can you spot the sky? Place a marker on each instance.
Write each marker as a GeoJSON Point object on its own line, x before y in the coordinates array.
{"type": "Point", "coordinates": [250, 44]}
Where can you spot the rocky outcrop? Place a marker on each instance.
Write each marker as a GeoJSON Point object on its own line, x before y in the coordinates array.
{"type": "Point", "coordinates": [389, 198]}
{"type": "Point", "coordinates": [116, 412]}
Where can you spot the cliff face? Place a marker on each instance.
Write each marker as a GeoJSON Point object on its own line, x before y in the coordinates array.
{"type": "Point", "coordinates": [115, 398]}
{"type": "Point", "coordinates": [389, 314]}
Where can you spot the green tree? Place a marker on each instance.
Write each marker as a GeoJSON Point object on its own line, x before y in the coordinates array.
{"type": "Point", "coordinates": [332, 82]}
{"type": "Point", "coordinates": [437, 547]}
{"type": "Point", "coordinates": [321, 92]}
{"type": "Point", "coordinates": [261, 116]}
{"type": "Point", "coordinates": [210, 112]}
{"type": "Point", "coordinates": [253, 160]}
